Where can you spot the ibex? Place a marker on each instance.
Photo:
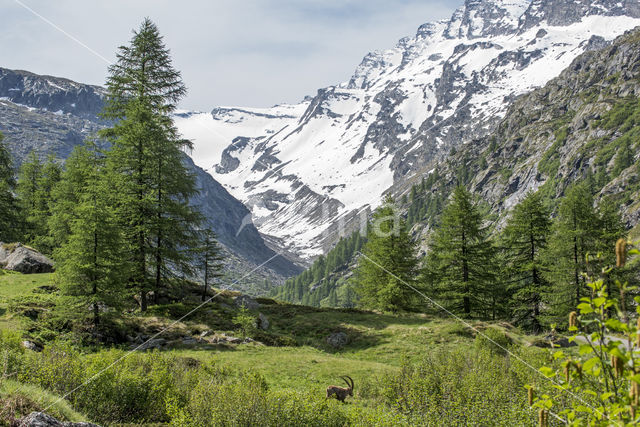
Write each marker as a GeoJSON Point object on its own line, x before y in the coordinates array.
{"type": "Point", "coordinates": [341, 392]}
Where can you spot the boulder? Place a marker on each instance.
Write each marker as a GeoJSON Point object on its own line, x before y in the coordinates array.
{"type": "Point", "coordinates": [23, 259]}
{"type": "Point", "coordinates": [40, 419]}
{"type": "Point", "coordinates": [338, 340]}
{"type": "Point", "coordinates": [246, 301]}
{"type": "Point", "coordinates": [30, 345]}
{"type": "Point", "coordinates": [156, 343]}
{"type": "Point", "coordinates": [553, 341]}
{"type": "Point", "coordinates": [263, 322]}
{"type": "Point", "coordinates": [189, 341]}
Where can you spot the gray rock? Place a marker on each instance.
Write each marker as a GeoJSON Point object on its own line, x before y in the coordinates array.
{"type": "Point", "coordinates": [189, 341]}
{"type": "Point", "coordinates": [246, 301]}
{"type": "Point", "coordinates": [30, 345]}
{"type": "Point", "coordinates": [338, 340]}
{"type": "Point", "coordinates": [40, 419]}
{"type": "Point", "coordinates": [156, 343]}
{"type": "Point", "coordinates": [232, 340]}
{"type": "Point", "coordinates": [263, 322]}
{"type": "Point", "coordinates": [24, 259]}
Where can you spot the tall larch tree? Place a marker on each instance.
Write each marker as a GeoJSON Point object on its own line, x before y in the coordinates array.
{"type": "Point", "coordinates": [574, 235]}
{"type": "Point", "coordinates": [460, 265]}
{"type": "Point", "coordinates": [89, 261]}
{"type": "Point", "coordinates": [146, 161]}
{"type": "Point", "coordinates": [388, 263]}
{"type": "Point", "coordinates": [524, 240]}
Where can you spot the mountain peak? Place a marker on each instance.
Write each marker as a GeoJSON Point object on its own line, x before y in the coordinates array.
{"type": "Point", "coordinates": [567, 12]}
{"type": "Point", "coordinates": [481, 18]}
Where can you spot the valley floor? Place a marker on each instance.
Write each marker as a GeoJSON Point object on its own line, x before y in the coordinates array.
{"type": "Point", "coordinates": [292, 356]}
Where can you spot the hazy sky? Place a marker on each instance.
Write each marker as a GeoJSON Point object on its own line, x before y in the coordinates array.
{"type": "Point", "coordinates": [236, 53]}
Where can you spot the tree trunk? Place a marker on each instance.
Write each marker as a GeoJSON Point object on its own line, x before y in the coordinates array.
{"type": "Point", "coordinates": [206, 278]}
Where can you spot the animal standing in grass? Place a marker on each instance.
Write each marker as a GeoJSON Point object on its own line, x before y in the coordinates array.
{"type": "Point", "coordinates": [341, 393]}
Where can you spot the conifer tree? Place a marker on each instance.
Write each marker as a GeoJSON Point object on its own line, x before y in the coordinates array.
{"type": "Point", "coordinates": [524, 240]}
{"type": "Point", "coordinates": [388, 263]}
{"type": "Point", "coordinates": [10, 224]}
{"type": "Point", "coordinates": [624, 158]}
{"type": "Point", "coordinates": [36, 181]}
{"type": "Point", "coordinates": [89, 262]}
{"type": "Point", "coordinates": [574, 234]}
{"type": "Point", "coordinates": [29, 178]}
{"type": "Point", "coordinates": [210, 258]}
{"type": "Point", "coordinates": [146, 161]}
{"type": "Point", "coordinates": [460, 264]}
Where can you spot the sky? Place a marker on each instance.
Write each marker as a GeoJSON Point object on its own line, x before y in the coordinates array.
{"type": "Point", "coordinates": [251, 53]}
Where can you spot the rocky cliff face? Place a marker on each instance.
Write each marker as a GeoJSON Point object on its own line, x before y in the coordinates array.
{"type": "Point", "coordinates": [583, 125]}
{"type": "Point", "coordinates": [53, 115]}
{"type": "Point", "coordinates": [304, 169]}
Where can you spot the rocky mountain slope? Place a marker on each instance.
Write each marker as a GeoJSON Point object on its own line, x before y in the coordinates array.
{"type": "Point", "coordinates": [582, 126]}
{"type": "Point", "coordinates": [52, 115]}
{"type": "Point", "coordinates": [305, 169]}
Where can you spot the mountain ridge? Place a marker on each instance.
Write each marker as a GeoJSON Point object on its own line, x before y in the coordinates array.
{"type": "Point", "coordinates": [330, 158]}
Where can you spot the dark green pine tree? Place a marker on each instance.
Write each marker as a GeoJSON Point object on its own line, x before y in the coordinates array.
{"type": "Point", "coordinates": [460, 266]}
{"type": "Point", "coordinates": [89, 264]}
{"type": "Point", "coordinates": [388, 263]}
{"type": "Point", "coordinates": [524, 239]}
{"type": "Point", "coordinates": [210, 259]}
{"type": "Point", "coordinates": [624, 158]}
{"type": "Point", "coordinates": [575, 234]}
{"type": "Point", "coordinates": [10, 222]}
{"type": "Point", "coordinates": [146, 161]}
{"type": "Point", "coordinates": [350, 298]}
{"type": "Point", "coordinates": [333, 298]}
{"type": "Point", "coordinates": [36, 181]}
{"type": "Point", "coordinates": [51, 175]}
{"type": "Point", "coordinates": [29, 179]}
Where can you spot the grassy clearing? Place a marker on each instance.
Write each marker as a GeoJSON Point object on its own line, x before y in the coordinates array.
{"type": "Point", "coordinates": [14, 285]}
{"type": "Point", "coordinates": [297, 368]}
{"type": "Point", "coordinates": [293, 369]}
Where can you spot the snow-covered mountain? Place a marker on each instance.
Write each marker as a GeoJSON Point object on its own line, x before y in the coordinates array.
{"type": "Point", "coordinates": [304, 168]}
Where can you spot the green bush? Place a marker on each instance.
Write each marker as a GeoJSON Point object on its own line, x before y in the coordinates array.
{"type": "Point", "coordinates": [493, 340]}
{"type": "Point", "coordinates": [459, 387]}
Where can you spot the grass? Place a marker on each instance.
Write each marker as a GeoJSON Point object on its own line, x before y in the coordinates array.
{"type": "Point", "coordinates": [18, 400]}
{"type": "Point", "coordinates": [13, 285]}
{"type": "Point", "coordinates": [380, 345]}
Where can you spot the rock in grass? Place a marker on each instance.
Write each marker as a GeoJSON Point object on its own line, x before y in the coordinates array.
{"type": "Point", "coordinates": [263, 322]}
{"type": "Point", "coordinates": [338, 340]}
{"type": "Point", "coordinates": [30, 345]}
{"type": "Point", "coordinates": [40, 419]}
{"type": "Point", "coordinates": [23, 259]}
{"type": "Point", "coordinates": [246, 301]}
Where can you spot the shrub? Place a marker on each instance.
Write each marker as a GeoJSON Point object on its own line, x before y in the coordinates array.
{"type": "Point", "coordinates": [458, 387]}
{"type": "Point", "coordinates": [493, 340]}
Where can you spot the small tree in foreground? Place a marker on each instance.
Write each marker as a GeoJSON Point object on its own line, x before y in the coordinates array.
{"type": "Point", "coordinates": [604, 379]}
